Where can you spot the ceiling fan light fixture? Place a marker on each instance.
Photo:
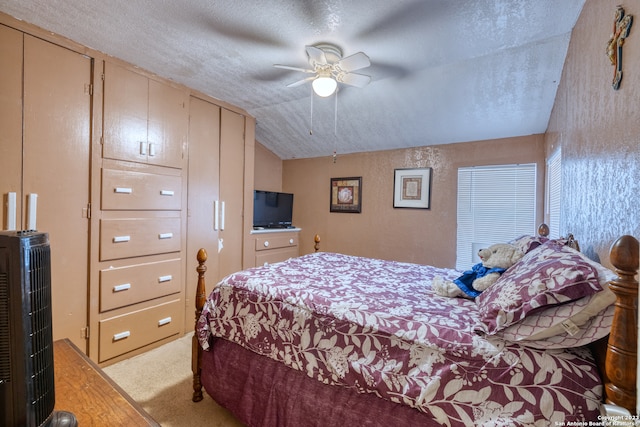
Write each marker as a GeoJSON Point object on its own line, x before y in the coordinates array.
{"type": "Point", "coordinates": [324, 86]}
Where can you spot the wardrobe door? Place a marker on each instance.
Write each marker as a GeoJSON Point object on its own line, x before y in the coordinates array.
{"type": "Point", "coordinates": [203, 193]}
{"type": "Point", "coordinates": [232, 190]}
{"type": "Point", "coordinates": [57, 107]}
{"type": "Point", "coordinates": [10, 126]}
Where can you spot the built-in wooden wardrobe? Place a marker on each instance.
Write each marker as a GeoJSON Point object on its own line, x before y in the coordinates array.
{"type": "Point", "coordinates": [45, 117]}
{"type": "Point", "coordinates": [127, 171]}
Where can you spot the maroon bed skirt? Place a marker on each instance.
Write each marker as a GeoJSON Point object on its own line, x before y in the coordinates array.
{"type": "Point", "coordinates": [262, 392]}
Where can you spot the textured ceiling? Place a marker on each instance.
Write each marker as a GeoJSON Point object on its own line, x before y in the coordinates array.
{"type": "Point", "coordinates": [443, 71]}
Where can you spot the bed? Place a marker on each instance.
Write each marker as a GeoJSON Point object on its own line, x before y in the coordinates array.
{"type": "Point", "coordinates": [332, 339]}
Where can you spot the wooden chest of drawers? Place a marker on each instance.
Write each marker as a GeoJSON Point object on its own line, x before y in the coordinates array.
{"type": "Point", "coordinates": [275, 245]}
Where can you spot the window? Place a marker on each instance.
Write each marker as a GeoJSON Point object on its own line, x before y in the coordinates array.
{"type": "Point", "coordinates": [553, 193]}
{"type": "Point", "coordinates": [495, 204]}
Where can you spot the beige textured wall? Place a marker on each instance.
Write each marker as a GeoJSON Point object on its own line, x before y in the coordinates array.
{"type": "Point", "coordinates": [267, 170]}
{"type": "Point", "coordinates": [381, 231]}
{"type": "Point", "coordinates": [598, 129]}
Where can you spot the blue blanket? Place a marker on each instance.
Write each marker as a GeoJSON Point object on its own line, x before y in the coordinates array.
{"type": "Point", "coordinates": [465, 281]}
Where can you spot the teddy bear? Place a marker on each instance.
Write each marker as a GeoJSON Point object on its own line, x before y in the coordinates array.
{"type": "Point", "coordinates": [495, 261]}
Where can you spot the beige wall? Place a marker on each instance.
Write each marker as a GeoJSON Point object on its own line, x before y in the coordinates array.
{"type": "Point", "coordinates": [268, 170]}
{"type": "Point", "coordinates": [382, 231]}
{"type": "Point", "coordinates": [598, 129]}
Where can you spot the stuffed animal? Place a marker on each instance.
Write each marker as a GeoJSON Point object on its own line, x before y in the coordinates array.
{"type": "Point", "coordinates": [495, 260]}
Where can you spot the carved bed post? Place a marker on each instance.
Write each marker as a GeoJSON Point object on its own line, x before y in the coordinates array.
{"type": "Point", "coordinates": [622, 351]}
{"type": "Point", "coordinates": [316, 240]}
{"type": "Point", "coordinates": [196, 350]}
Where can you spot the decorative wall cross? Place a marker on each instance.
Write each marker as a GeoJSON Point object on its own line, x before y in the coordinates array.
{"type": "Point", "coordinates": [621, 26]}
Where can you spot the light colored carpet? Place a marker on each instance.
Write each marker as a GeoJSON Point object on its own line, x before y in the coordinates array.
{"type": "Point", "coordinates": [160, 380]}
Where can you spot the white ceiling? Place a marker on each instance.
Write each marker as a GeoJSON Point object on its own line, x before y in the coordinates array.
{"type": "Point", "coordinates": [443, 71]}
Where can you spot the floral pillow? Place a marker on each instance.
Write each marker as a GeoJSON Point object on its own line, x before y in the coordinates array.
{"type": "Point", "coordinates": [528, 243]}
{"type": "Point", "coordinates": [553, 274]}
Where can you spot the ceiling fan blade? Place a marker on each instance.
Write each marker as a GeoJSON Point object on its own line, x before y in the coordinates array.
{"type": "Point", "coordinates": [301, 82]}
{"type": "Point", "coordinates": [353, 79]}
{"type": "Point", "coordinates": [353, 62]}
{"type": "Point", "coordinates": [288, 67]}
{"type": "Point", "coordinates": [316, 56]}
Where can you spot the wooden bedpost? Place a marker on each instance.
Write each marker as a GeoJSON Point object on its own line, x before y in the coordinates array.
{"type": "Point", "coordinates": [316, 239]}
{"type": "Point", "coordinates": [196, 350]}
{"type": "Point", "coordinates": [622, 350]}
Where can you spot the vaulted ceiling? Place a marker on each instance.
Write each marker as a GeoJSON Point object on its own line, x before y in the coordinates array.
{"type": "Point", "coordinates": [442, 71]}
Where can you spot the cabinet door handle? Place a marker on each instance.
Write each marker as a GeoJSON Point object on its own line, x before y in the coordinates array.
{"type": "Point", "coordinates": [216, 211]}
{"type": "Point", "coordinates": [123, 287]}
{"type": "Point", "coordinates": [32, 211]}
{"type": "Point", "coordinates": [166, 278]}
{"type": "Point", "coordinates": [121, 335]}
{"type": "Point", "coordinates": [152, 149]}
{"type": "Point", "coordinates": [11, 210]}
{"type": "Point", "coordinates": [165, 236]}
{"type": "Point", "coordinates": [222, 216]}
{"type": "Point", "coordinates": [123, 190]}
{"type": "Point", "coordinates": [164, 321]}
{"type": "Point", "coordinates": [166, 192]}
{"type": "Point", "coordinates": [121, 239]}
{"type": "Point", "coordinates": [143, 148]}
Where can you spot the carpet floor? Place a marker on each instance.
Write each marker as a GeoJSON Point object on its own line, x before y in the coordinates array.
{"type": "Point", "coordinates": [160, 381]}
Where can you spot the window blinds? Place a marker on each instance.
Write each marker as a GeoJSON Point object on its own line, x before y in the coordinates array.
{"type": "Point", "coordinates": [495, 204]}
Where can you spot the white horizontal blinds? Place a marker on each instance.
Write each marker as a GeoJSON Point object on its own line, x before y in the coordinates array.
{"type": "Point", "coordinates": [554, 191]}
{"type": "Point", "coordinates": [495, 205]}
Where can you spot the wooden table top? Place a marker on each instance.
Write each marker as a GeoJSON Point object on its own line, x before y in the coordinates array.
{"type": "Point", "coordinates": [85, 390]}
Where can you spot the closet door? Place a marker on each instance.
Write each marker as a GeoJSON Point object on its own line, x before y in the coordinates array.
{"type": "Point", "coordinates": [232, 190]}
{"type": "Point", "coordinates": [10, 124]}
{"type": "Point", "coordinates": [57, 121]}
{"type": "Point", "coordinates": [203, 193]}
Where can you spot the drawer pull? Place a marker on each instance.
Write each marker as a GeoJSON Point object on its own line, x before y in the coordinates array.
{"type": "Point", "coordinates": [167, 192]}
{"type": "Point", "coordinates": [123, 287]}
{"type": "Point", "coordinates": [291, 241]}
{"type": "Point", "coordinates": [266, 244]}
{"type": "Point", "coordinates": [166, 278]}
{"type": "Point", "coordinates": [120, 239]}
{"type": "Point", "coordinates": [165, 235]}
{"type": "Point", "coordinates": [123, 190]}
{"type": "Point", "coordinates": [164, 321]}
{"type": "Point", "coordinates": [121, 335]}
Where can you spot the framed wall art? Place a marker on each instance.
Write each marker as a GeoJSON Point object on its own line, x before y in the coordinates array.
{"type": "Point", "coordinates": [412, 188]}
{"type": "Point", "coordinates": [346, 195]}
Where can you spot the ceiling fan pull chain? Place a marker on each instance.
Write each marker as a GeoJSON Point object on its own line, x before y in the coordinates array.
{"type": "Point", "coordinates": [311, 121]}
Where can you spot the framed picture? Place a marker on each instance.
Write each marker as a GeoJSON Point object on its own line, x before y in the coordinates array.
{"type": "Point", "coordinates": [346, 195]}
{"type": "Point", "coordinates": [412, 188]}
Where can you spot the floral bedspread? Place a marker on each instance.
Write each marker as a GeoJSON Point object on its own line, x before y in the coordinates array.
{"type": "Point", "coordinates": [376, 326]}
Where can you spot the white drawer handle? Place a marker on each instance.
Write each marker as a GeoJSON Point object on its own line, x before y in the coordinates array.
{"type": "Point", "coordinates": [121, 336]}
{"type": "Point", "coordinates": [152, 149]}
{"type": "Point", "coordinates": [164, 321]}
{"type": "Point", "coordinates": [166, 278]}
{"type": "Point", "coordinates": [291, 241]}
{"type": "Point", "coordinates": [266, 244]}
{"type": "Point", "coordinates": [120, 239]}
{"type": "Point", "coordinates": [123, 190]}
{"type": "Point", "coordinates": [165, 235]}
{"type": "Point", "coordinates": [123, 287]}
{"type": "Point", "coordinates": [167, 192]}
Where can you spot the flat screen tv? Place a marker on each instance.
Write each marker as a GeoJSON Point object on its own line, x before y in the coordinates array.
{"type": "Point", "coordinates": [272, 209]}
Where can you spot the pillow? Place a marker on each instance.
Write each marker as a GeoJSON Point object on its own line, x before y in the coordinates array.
{"type": "Point", "coordinates": [553, 274]}
{"type": "Point", "coordinates": [569, 325]}
{"type": "Point", "coordinates": [528, 243]}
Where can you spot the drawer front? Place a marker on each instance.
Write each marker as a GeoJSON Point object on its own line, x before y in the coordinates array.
{"type": "Point", "coordinates": [124, 286]}
{"type": "Point", "coordinates": [121, 334]}
{"type": "Point", "coordinates": [130, 237]}
{"type": "Point", "coordinates": [127, 190]}
{"type": "Point", "coordinates": [276, 255]}
{"type": "Point", "coordinates": [275, 242]}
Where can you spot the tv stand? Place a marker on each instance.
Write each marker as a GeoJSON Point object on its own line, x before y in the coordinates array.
{"type": "Point", "coordinates": [274, 245]}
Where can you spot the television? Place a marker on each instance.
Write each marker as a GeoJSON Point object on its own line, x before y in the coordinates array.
{"type": "Point", "coordinates": [272, 209]}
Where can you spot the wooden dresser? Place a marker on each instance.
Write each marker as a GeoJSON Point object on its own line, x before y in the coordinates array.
{"type": "Point", "coordinates": [84, 390]}
{"type": "Point", "coordinates": [275, 245]}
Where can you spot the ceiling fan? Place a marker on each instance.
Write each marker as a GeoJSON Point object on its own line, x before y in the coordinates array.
{"type": "Point", "coordinates": [329, 68]}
